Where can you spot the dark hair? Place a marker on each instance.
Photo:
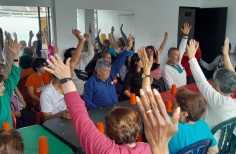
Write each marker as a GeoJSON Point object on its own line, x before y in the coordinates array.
{"type": "Point", "coordinates": [68, 54]}
{"type": "Point", "coordinates": [104, 54]}
{"type": "Point", "coordinates": [127, 64]}
{"type": "Point", "coordinates": [11, 142]}
{"type": "Point", "coordinates": [1, 78]}
{"type": "Point", "coordinates": [133, 65]}
{"type": "Point", "coordinates": [106, 41]}
{"type": "Point", "coordinates": [37, 62]}
{"type": "Point", "coordinates": [26, 61]}
{"type": "Point", "coordinates": [123, 125]}
{"type": "Point", "coordinates": [190, 102]}
{"type": "Point", "coordinates": [153, 49]}
{"type": "Point", "coordinates": [28, 51]}
{"type": "Point", "coordinates": [224, 44]}
{"type": "Point", "coordinates": [122, 41]}
{"type": "Point", "coordinates": [172, 49]}
{"type": "Point", "coordinates": [1, 43]}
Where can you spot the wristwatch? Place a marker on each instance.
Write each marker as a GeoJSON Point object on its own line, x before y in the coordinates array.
{"type": "Point", "coordinates": [144, 76]}
{"type": "Point", "coordinates": [62, 81]}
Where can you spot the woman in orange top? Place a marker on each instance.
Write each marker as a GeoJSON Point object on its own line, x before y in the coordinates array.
{"type": "Point", "coordinates": [37, 81]}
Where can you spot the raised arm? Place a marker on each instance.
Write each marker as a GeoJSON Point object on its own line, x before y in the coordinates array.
{"type": "Point", "coordinates": [46, 36]}
{"type": "Point", "coordinates": [123, 35]}
{"type": "Point", "coordinates": [99, 42]}
{"type": "Point", "coordinates": [76, 56]}
{"type": "Point", "coordinates": [227, 62]}
{"type": "Point", "coordinates": [163, 44]}
{"type": "Point", "coordinates": [116, 66]}
{"type": "Point", "coordinates": [39, 44]}
{"type": "Point", "coordinates": [147, 65]}
{"type": "Point", "coordinates": [113, 37]}
{"type": "Point", "coordinates": [88, 56]}
{"type": "Point", "coordinates": [31, 35]}
{"type": "Point", "coordinates": [182, 47]}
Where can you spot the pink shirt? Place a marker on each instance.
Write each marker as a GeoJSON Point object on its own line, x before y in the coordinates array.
{"type": "Point", "coordinates": [157, 72]}
{"type": "Point", "coordinates": [93, 141]}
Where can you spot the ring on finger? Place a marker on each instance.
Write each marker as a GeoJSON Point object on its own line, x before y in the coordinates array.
{"type": "Point", "coordinates": [149, 111]}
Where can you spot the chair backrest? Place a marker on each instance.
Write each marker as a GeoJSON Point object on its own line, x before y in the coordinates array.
{"type": "Point", "coordinates": [227, 127]}
{"type": "Point", "coordinates": [200, 147]}
{"type": "Point", "coordinates": [13, 119]}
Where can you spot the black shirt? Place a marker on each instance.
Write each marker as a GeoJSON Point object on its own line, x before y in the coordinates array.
{"type": "Point", "coordinates": [134, 80]}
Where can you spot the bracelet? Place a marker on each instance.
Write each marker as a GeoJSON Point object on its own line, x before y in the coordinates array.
{"type": "Point", "coordinates": [62, 81]}
{"type": "Point", "coordinates": [16, 60]}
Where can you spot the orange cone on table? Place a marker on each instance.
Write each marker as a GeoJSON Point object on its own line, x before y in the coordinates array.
{"type": "Point", "coordinates": [43, 145]}
{"type": "Point", "coordinates": [168, 106]}
{"type": "Point", "coordinates": [6, 126]}
{"type": "Point", "coordinates": [100, 127]}
{"type": "Point", "coordinates": [132, 98]}
{"type": "Point", "coordinates": [173, 89]}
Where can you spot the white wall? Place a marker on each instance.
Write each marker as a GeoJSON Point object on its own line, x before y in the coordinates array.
{"type": "Point", "coordinates": [231, 19]}
{"type": "Point", "coordinates": [81, 20]}
{"type": "Point", "coordinates": [109, 18]}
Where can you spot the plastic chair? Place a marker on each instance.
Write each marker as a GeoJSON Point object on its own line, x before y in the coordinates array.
{"type": "Point", "coordinates": [226, 129]}
{"type": "Point", "coordinates": [13, 119]}
{"type": "Point", "coordinates": [200, 147]}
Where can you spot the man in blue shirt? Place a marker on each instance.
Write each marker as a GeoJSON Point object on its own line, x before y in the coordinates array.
{"type": "Point", "coordinates": [99, 90]}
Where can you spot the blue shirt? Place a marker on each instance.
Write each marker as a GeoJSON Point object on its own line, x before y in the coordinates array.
{"type": "Point", "coordinates": [39, 48]}
{"type": "Point", "coordinates": [98, 93]}
{"type": "Point", "coordinates": [188, 134]}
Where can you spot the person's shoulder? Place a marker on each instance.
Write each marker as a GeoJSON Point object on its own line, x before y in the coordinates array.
{"type": "Point", "coordinates": [202, 124]}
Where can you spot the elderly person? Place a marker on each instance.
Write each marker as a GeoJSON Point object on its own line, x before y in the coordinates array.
{"type": "Point", "coordinates": [7, 87]}
{"type": "Point", "coordinates": [11, 142]}
{"type": "Point", "coordinates": [173, 72]}
{"type": "Point", "coordinates": [191, 128]}
{"type": "Point", "coordinates": [220, 104]}
{"type": "Point", "coordinates": [99, 90]}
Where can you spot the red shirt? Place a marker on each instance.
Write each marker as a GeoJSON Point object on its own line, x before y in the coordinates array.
{"type": "Point", "coordinates": [185, 63]}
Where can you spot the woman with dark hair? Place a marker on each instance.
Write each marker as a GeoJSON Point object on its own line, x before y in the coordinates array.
{"type": "Point", "coordinates": [133, 77]}
{"type": "Point", "coordinates": [191, 128]}
{"type": "Point", "coordinates": [124, 69]}
{"type": "Point", "coordinates": [37, 81]}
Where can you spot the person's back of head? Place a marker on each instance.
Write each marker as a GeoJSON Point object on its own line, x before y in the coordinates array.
{"type": "Point", "coordinates": [25, 61]}
{"type": "Point", "coordinates": [11, 142]}
{"type": "Point", "coordinates": [123, 125]}
{"type": "Point", "coordinates": [191, 103]}
{"type": "Point", "coordinates": [225, 79]}
{"type": "Point", "coordinates": [28, 51]}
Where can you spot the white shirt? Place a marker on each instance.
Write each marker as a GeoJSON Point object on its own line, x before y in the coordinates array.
{"type": "Point", "coordinates": [219, 108]}
{"type": "Point", "coordinates": [171, 75]}
{"type": "Point", "coordinates": [51, 100]}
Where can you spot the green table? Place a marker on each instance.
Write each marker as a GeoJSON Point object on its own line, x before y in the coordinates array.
{"type": "Point", "coordinates": [31, 136]}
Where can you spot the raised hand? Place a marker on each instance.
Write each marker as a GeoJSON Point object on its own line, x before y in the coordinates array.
{"type": "Point", "coordinates": [166, 35]}
{"type": "Point", "coordinates": [121, 28]}
{"type": "Point", "coordinates": [58, 68]}
{"type": "Point", "coordinates": [31, 34]}
{"type": "Point", "coordinates": [87, 38]}
{"type": "Point", "coordinates": [55, 49]}
{"type": "Point", "coordinates": [112, 29]}
{"type": "Point", "coordinates": [186, 28]}
{"type": "Point", "coordinates": [158, 126]}
{"type": "Point", "coordinates": [15, 35]}
{"type": "Point", "coordinates": [99, 31]}
{"type": "Point", "coordinates": [39, 35]}
{"type": "Point", "coordinates": [77, 34]}
{"type": "Point", "coordinates": [130, 41]}
{"type": "Point", "coordinates": [147, 62]}
{"type": "Point", "coordinates": [45, 31]}
{"type": "Point", "coordinates": [191, 49]}
{"type": "Point", "coordinates": [7, 35]}
{"type": "Point", "coordinates": [226, 47]}
{"type": "Point", "coordinates": [157, 53]}
{"type": "Point", "coordinates": [14, 47]}
{"type": "Point", "coordinates": [90, 28]}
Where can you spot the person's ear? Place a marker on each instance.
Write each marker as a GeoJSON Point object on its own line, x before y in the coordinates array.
{"type": "Point", "coordinates": [184, 114]}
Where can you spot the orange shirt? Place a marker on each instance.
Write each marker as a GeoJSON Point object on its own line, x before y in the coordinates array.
{"type": "Point", "coordinates": [26, 72]}
{"type": "Point", "coordinates": [38, 82]}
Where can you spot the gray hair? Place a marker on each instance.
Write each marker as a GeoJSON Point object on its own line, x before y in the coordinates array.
{"type": "Point", "coordinates": [101, 64]}
{"type": "Point", "coordinates": [28, 51]}
{"type": "Point", "coordinates": [226, 79]}
{"type": "Point", "coordinates": [171, 49]}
